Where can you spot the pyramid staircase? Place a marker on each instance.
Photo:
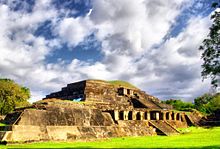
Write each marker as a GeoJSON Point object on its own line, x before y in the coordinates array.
{"type": "Point", "coordinates": [163, 127]}
{"type": "Point", "coordinates": [194, 119]}
{"type": "Point", "coordinates": [6, 131]}
{"type": "Point", "coordinates": [147, 102]}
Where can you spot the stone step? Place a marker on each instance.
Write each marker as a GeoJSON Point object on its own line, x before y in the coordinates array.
{"type": "Point", "coordinates": [2, 134]}
{"type": "Point", "coordinates": [12, 118]}
{"type": "Point", "coordinates": [5, 135]}
{"type": "Point", "coordinates": [193, 120]}
{"type": "Point", "coordinates": [147, 102]}
{"type": "Point", "coordinates": [164, 127]}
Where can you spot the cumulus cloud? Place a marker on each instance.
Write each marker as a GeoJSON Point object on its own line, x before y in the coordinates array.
{"type": "Point", "coordinates": [134, 45]}
{"type": "Point", "coordinates": [177, 62]}
{"type": "Point", "coordinates": [133, 26]}
{"type": "Point", "coordinates": [23, 53]}
{"type": "Point", "coordinates": [74, 30]}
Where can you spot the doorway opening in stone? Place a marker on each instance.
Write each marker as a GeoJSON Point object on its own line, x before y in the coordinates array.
{"type": "Point", "coordinates": [130, 115]}
{"type": "Point", "coordinates": [138, 116]}
{"type": "Point", "coordinates": [121, 115]}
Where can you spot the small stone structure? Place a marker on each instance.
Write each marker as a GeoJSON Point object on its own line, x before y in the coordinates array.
{"type": "Point", "coordinates": [92, 109]}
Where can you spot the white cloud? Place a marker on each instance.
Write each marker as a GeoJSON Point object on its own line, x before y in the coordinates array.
{"type": "Point", "coordinates": [133, 26]}
{"type": "Point", "coordinates": [128, 31]}
{"type": "Point", "coordinates": [74, 30]}
{"type": "Point", "coordinates": [23, 53]}
{"type": "Point", "coordinates": [177, 62]}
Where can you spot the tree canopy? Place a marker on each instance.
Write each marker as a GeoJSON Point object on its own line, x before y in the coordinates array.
{"type": "Point", "coordinates": [202, 103]}
{"type": "Point", "coordinates": [12, 95]}
{"type": "Point", "coordinates": [207, 103]}
{"type": "Point", "coordinates": [211, 49]}
{"type": "Point", "coordinates": [179, 104]}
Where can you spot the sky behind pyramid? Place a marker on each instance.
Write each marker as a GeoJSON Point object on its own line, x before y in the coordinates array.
{"type": "Point", "coordinates": [46, 44]}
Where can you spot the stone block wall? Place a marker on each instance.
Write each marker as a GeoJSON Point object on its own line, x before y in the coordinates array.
{"type": "Point", "coordinates": [105, 113]}
{"type": "Point", "coordinates": [28, 133]}
{"type": "Point", "coordinates": [68, 133]}
{"type": "Point", "coordinates": [71, 91]}
{"type": "Point", "coordinates": [102, 93]}
{"type": "Point", "coordinates": [178, 124]}
{"type": "Point", "coordinates": [65, 117]}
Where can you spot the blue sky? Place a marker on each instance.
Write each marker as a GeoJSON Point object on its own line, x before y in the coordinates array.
{"type": "Point", "coordinates": [46, 44]}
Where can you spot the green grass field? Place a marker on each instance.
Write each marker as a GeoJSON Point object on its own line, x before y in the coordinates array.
{"type": "Point", "coordinates": [2, 124]}
{"type": "Point", "coordinates": [191, 138]}
{"type": "Point", "coordinates": [118, 83]}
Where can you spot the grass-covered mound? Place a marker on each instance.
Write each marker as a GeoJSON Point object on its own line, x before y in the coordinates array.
{"type": "Point", "coordinates": [118, 83]}
{"type": "Point", "coordinates": [191, 138]}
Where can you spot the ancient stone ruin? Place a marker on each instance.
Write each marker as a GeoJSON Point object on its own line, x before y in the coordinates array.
{"type": "Point", "coordinates": [93, 109]}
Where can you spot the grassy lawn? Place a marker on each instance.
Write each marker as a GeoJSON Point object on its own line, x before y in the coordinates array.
{"type": "Point", "coordinates": [2, 124]}
{"type": "Point", "coordinates": [191, 138]}
{"type": "Point", "coordinates": [118, 83]}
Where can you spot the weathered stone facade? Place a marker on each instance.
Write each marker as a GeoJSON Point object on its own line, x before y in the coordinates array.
{"type": "Point", "coordinates": [103, 93]}
{"type": "Point", "coordinates": [92, 109]}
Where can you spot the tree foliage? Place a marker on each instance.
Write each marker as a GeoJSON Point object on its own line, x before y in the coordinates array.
{"type": "Point", "coordinates": [215, 103]}
{"type": "Point", "coordinates": [12, 95]}
{"type": "Point", "coordinates": [207, 103]}
{"type": "Point", "coordinates": [179, 104]}
{"type": "Point", "coordinates": [211, 49]}
{"type": "Point", "coordinates": [202, 103]}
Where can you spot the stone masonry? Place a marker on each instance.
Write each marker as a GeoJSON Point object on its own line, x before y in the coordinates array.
{"type": "Point", "coordinates": [92, 109]}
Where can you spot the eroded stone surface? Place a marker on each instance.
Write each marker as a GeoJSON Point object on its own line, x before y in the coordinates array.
{"type": "Point", "coordinates": [92, 109]}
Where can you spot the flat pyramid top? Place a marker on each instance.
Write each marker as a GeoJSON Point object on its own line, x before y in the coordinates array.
{"type": "Point", "coordinates": [116, 83]}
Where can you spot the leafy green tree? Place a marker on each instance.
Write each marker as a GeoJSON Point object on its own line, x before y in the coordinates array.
{"type": "Point", "coordinates": [180, 105]}
{"type": "Point", "coordinates": [207, 103]}
{"type": "Point", "coordinates": [215, 102]}
{"type": "Point", "coordinates": [211, 50]}
{"type": "Point", "coordinates": [201, 103]}
{"type": "Point", "coordinates": [12, 95]}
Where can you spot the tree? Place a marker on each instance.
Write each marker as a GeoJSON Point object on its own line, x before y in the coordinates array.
{"type": "Point", "coordinates": [179, 104]}
{"type": "Point", "coordinates": [202, 103]}
{"type": "Point", "coordinates": [12, 95]}
{"type": "Point", "coordinates": [215, 102]}
{"type": "Point", "coordinates": [207, 103]}
{"type": "Point", "coordinates": [211, 50]}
